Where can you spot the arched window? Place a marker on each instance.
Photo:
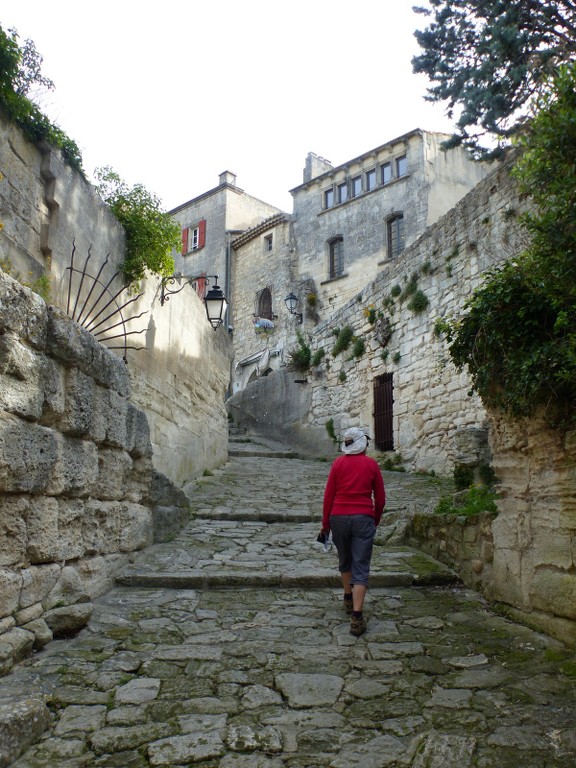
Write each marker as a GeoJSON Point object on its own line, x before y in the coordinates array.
{"type": "Point", "coordinates": [264, 304]}
{"type": "Point", "coordinates": [336, 256]}
{"type": "Point", "coordinates": [395, 235]}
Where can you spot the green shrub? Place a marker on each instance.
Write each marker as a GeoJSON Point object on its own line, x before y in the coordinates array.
{"type": "Point", "coordinates": [474, 501]}
{"type": "Point", "coordinates": [358, 348]}
{"type": "Point", "coordinates": [517, 337]}
{"type": "Point", "coordinates": [419, 302]}
{"type": "Point", "coordinates": [20, 75]}
{"type": "Point", "coordinates": [330, 429]}
{"type": "Point", "coordinates": [300, 357]}
{"type": "Point", "coordinates": [151, 234]}
{"type": "Point", "coordinates": [343, 340]}
{"type": "Point", "coordinates": [317, 357]}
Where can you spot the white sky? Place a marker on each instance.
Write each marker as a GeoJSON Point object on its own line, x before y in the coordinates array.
{"type": "Point", "coordinates": [172, 93]}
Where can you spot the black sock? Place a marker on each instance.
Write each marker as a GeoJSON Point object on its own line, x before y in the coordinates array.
{"type": "Point", "coordinates": [356, 614]}
{"type": "Point", "coordinates": [347, 595]}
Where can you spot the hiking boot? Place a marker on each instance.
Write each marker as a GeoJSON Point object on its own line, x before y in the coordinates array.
{"type": "Point", "coordinates": [348, 603]}
{"type": "Point", "coordinates": [357, 625]}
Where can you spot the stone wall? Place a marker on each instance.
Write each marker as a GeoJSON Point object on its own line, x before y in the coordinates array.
{"type": "Point", "coordinates": [181, 373]}
{"type": "Point", "coordinates": [525, 556]}
{"type": "Point", "coordinates": [534, 567]}
{"type": "Point", "coordinates": [78, 491]}
{"type": "Point", "coordinates": [465, 543]}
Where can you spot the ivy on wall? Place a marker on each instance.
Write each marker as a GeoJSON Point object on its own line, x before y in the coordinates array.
{"type": "Point", "coordinates": [518, 333]}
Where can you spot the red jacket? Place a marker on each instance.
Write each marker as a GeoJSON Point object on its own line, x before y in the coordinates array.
{"type": "Point", "coordinates": [354, 487]}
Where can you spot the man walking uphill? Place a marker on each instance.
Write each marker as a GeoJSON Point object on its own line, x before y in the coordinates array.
{"type": "Point", "coordinates": [354, 500]}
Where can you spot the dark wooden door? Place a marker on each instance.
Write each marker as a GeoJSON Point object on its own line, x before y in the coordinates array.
{"type": "Point", "coordinates": [383, 412]}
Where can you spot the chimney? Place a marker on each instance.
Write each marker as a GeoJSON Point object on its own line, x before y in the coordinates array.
{"type": "Point", "coordinates": [315, 166]}
{"type": "Point", "coordinates": [227, 177]}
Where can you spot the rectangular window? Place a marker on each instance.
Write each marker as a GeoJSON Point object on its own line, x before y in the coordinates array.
{"type": "Point", "coordinates": [385, 173]}
{"type": "Point", "coordinates": [371, 179]}
{"type": "Point", "coordinates": [395, 236]}
{"type": "Point", "coordinates": [194, 238]}
{"type": "Point", "coordinates": [356, 186]}
{"type": "Point", "coordinates": [268, 243]}
{"type": "Point", "coordinates": [336, 256]}
{"type": "Point", "coordinates": [343, 192]}
{"type": "Point", "coordinates": [401, 166]}
{"type": "Point", "coordinates": [328, 198]}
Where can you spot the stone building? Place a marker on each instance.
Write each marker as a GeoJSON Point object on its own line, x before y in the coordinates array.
{"type": "Point", "coordinates": [348, 223]}
{"type": "Point", "coordinates": [208, 223]}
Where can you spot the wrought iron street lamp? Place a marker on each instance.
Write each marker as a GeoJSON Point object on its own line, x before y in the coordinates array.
{"type": "Point", "coordinates": [291, 302]}
{"type": "Point", "coordinates": [214, 301]}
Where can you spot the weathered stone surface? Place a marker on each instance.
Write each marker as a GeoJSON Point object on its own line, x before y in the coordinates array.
{"type": "Point", "coordinates": [190, 748]}
{"type": "Point", "coordinates": [69, 619]}
{"type": "Point", "coordinates": [21, 724]}
{"type": "Point", "coordinates": [554, 591]}
{"type": "Point", "coordinates": [41, 631]}
{"type": "Point", "coordinates": [244, 738]}
{"type": "Point", "coordinates": [20, 640]}
{"type": "Point", "coordinates": [28, 455]}
{"type": "Point", "coordinates": [168, 521]}
{"type": "Point", "coordinates": [114, 467]}
{"type": "Point", "coordinates": [22, 311]}
{"type": "Point", "coordinates": [309, 690]}
{"type": "Point", "coordinates": [376, 753]}
{"type": "Point", "coordinates": [75, 469]}
{"type": "Point", "coordinates": [77, 417]}
{"type": "Point", "coordinates": [136, 527]}
{"type": "Point", "coordinates": [68, 590]}
{"type": "Point", "coordinates": [442, 750]}
{"type": "Point", "coordinates": [138, 441]}
{"type": "Point", "coordinates": [79, 720]}
{"type": "Point", "coordinates": [111, 740]}
{"type": "Point", "coordinates": [98, 573]}
{"type": "Point", "coordinates": [116, 427]}
{"type": "Point", "coordinates": [260, 696]}
{"type": "Point", "coordinates": [43, 534]}
{"type": "Point", "coordinates": [10, 585]}
{"type": "Point", "coordinates": [37, 582]}
{"type": "Point", "coordinates": [28, 614]}
{"type": "Point", "coordinates": [138, 691]}
{"type": "Point", "coordinates": [74, 345]}
{"type": "Point", "coordinates": [13, 534]}
{"type": "Point", "coordinates": [21, 378]}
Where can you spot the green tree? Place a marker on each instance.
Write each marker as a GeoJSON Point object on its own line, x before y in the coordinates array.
{"type": "Point", "coordinates": [20, 80]}
{"type": "Point", "coordinates": [518, 334]}
{"type": "Point", "coordinates": [151, 234]}
{"type": "Point", "coordinates": [488, 59]}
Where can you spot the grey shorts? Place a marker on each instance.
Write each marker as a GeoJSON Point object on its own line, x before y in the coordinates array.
{"type": "Point", "coordinates": [353, 537]}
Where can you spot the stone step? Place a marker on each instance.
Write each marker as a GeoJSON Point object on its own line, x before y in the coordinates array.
{"type": "Point", "coordinates": [316, 579]}
{"type": "Point", "coordinates": [255, 452]}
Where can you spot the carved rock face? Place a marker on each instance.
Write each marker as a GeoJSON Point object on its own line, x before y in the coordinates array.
{"type": "Point", "coordinates": [383, 331]}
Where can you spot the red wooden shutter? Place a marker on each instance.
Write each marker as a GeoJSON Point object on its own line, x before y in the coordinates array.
{"type": "Point", "coordinates": [185, 241]}
{"type": "Point", "coordinates": [201, 286]}
{"type": "Point", "coordinates": [202, 234]}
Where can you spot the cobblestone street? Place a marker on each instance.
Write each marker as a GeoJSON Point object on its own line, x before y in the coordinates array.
{"type": "Point", "coordinates": [229, 648]}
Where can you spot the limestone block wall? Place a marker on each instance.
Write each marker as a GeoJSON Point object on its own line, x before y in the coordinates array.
{"type": "Point", "coordinates": [534, 566]}
{"type": "Point", "coordinates": [77, 485]}
{"type": "Point", "coordinates": [465, 543]}
{"type": "Point", "coordinates": [180, 375]}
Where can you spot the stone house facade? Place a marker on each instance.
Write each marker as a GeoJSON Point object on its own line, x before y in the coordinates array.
{"type": "Point", "coordinates": [208, 223]}
{"type": "Point", "coordinates": [348, 224]}
{"type": "Point", "coordinates": [350, 220]}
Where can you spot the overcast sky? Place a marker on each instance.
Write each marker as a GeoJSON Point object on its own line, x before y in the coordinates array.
{"type": "Point", "coordinates": [172, 93]}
